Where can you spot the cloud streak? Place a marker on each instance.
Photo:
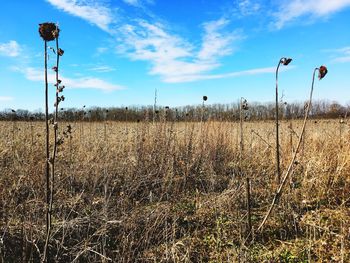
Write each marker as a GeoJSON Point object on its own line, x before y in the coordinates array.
{"type": "Point", "coordinates": [250, 72]}
{"type": "Point", "coordinates": [292, 9]}
{"type": "Point", "coordinates": [34, 74]}
{"type": "Point", "coordinates": [91, 11]}
{"type": "Point", "coordinates": [339, 55]}
{"type": "Point", "coordinates": [10, 49]}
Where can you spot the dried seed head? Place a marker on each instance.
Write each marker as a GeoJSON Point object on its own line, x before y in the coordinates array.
{"type": "Point", "coordinates": [286, 61]}
{"type": "Point", "coordinates": [205, 98]}
{"type": "Point", "coordinates": [322, 71]}
{"type": "Point", "coordinates": [245, 105]}
{"type": "Point", "coordinates": [60, 52]}
{"type": "Point", "coordinates": [48, 31]}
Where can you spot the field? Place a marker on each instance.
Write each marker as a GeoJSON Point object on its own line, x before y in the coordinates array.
{"type": "Point", "coordinates": [176, 192]}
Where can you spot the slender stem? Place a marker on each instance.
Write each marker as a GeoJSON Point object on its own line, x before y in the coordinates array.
{"type": "Point", "coordinates": [55, 120]}
{"type": "Point", "coordinates": [278, 171]}
{"type": "Point", "coordinates": [241, 133]}
{"type": "Point", "coordinates": [249, 216]}
{"type": "Point", "coordinates": [47, 168]}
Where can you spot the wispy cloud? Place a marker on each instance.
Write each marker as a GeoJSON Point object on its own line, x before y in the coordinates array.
{"type": "Point", "coordinates": [250, 72]}
{"type": "Point", "coordinates": [10, 49]}
{"type": "Point", "coordinates": [6, 98]}
{"type": "Point", "coordinates": [248, 7]}
{"type": "Point", "coordinates": [92, 11]}
{"type": "Point", "coordinates": [216, 43]}
{"type": "Point", "coordinates": [340, 55]}
{"type": "Point", "coordinates": [102, 69]}
{"type": "Point", "coordinates": [34, 74]}
{"type": "Point", "coordinates": [138, 3]}
{"type": "Point", "coordinates": [290, 10]}
{"type": "Point", "coordinates": [173, 57]}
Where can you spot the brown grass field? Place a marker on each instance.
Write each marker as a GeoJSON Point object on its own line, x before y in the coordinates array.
{"type": "Point", "coordinates": [175, 192]}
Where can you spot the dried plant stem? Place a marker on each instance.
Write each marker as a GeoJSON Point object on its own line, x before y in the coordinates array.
{"type": "Point", "coordinates": [52, 158]}
{"type": "Point", "coordinates": [241, 143]}
{"type": "Point", "coordinates": [278, 169]}
{"type": "Point", "coordinates": [249, 215]}
{"type": "Point", "coordinates": [47, 167]}
{"type": "Point", "coordinates": [289, 170]}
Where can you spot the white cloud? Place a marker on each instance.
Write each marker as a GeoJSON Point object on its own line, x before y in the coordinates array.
{"type": "Point", "coordinates": [6, 98]}
{"type": "Point", "coordinates": [247, 7]}
{"type": "Point", "coordinates": [138, 3]}
{"type": "Point", "coordinates": [171, 56]}
{"type": "Point", "coordinates": [292, 9]}
{"type": "Point", "coordinates": [89, 10]}
{"type": "Point", "coordinates": [190, 78]}
{"type": "Point", "coordinates": [215, 43]}
{"type": "Point", "coordinates": [132, 2]}
{"type": "Point", "coordinates": [74, 83]}
{"type": "Point", "coordinates": [10, 49]}
{"type": "Point", "coordinates": [341, 55]}
{"type": "Point", "coordinates": [102, 69]}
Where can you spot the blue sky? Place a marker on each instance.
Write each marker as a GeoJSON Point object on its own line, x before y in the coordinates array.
{"type": "Point", "coordinates": [117, 52]}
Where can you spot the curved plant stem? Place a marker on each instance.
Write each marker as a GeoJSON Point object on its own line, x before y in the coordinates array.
{"type": "Point", "coordinates": [289, 170]}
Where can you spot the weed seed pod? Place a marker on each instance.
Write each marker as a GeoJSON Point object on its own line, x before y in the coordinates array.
{"type": "Point", "coordinates": [205, 98]}
{"type": "Point", "coordinates": [48, 31]}
{"type": "Point", "coordinates": [245, 105]}
{"type": "Point", "coordinates": [322, 71]}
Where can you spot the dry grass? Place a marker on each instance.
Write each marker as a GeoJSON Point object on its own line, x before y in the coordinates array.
{"type": "Point", "coordinates": [174, 192]}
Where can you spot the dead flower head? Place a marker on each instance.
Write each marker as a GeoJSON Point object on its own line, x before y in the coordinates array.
{"type": "Point", "coordinates": [48, 31]}
{"type": "Point", "coordinates": [322, 71]}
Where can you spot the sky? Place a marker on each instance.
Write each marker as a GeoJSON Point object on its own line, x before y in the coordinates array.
{"type": "Point", "coordinates": [118, 52]}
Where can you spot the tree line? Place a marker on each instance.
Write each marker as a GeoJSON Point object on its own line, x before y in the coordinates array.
{"type": "Point", "coordinates": [216, 112]}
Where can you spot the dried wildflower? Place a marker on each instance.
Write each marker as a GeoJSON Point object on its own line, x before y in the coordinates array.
{"type": "Point", "coordinates": [205, 98]}
{"type": "Point", "coordinates": [286, 61]}
{"type": "Point", "coordinates": [60, 52]}
{"type": "Point", "coordinates": [245, 105]}
{"type": "Point", "coordinates": [48, 31]}
{"type": "Point", "coordinates": [322, 71]}
{"type": "Point", "coordinates": [61, 88]}
{"type": "Point", "coordinates": [54, 68]}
